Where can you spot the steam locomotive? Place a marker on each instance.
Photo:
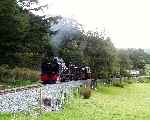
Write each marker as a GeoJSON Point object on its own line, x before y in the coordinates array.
{"type": "Point", "coordinates": [58, 71]}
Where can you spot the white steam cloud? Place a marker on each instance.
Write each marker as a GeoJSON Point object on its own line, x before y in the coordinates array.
{"type": "Point", "coordinates": [65, 29]}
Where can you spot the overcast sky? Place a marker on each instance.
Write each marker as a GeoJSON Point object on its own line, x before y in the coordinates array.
{"type": "Point", "coordinates": [126, 21]}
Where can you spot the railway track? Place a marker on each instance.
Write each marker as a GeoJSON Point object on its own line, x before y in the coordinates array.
{"type": "Point", "coordinates": [17, 89]}
{"type": "Point", "coordinates": [27, 97]}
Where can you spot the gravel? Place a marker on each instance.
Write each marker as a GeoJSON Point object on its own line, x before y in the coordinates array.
{"type": "Point", "coordinates": [48, 98]}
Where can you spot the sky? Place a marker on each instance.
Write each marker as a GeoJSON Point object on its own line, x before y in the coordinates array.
{"type": "Point", "coordinates": [126, 22]}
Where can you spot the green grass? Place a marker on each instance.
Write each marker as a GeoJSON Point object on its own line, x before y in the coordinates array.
{"type": "Point", "coordinates": [106, 103]}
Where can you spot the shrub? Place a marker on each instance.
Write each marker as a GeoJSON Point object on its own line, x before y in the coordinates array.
{"type": "Point", "coordinates": [144, 79]}
{"type": "Point", "coordinates": [129, 81]}
{"type": "Point", "coordinates": [17, 76]}
{"type": "Point", "coordinates": [118, 84]}
{"type": "Point", "coordinates": [25, 74]}
{"type": "Point", "coordinates": [86, 92]}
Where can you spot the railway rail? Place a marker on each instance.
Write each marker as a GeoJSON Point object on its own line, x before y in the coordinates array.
{"type": "Point", "coordinates": [17, 89]}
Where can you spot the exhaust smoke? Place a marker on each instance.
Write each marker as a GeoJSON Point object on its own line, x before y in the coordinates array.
{"type": "Point", "coordinates": [65, 29]}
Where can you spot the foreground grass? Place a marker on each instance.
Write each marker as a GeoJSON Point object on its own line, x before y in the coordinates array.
{"type": "Point", "coordinates": [107, 103]}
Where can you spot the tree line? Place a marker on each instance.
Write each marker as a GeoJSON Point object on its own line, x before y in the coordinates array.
{"type": "Point", "coordinates": [25, 38]}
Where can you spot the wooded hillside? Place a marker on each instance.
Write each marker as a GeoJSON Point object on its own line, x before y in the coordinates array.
{"type": "Point", "coordinates": [25, 38]}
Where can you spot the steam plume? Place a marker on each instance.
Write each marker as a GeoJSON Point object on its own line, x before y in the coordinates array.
{"type": "Point", "coordinates": [65, 29]}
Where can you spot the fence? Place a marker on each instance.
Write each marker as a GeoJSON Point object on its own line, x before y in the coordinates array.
{"type": "Point", "coordinates": [47, 98]}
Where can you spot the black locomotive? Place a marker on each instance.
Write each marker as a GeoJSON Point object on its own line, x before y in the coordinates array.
{"type": "Point", "coordinates": [57, 70]}
{"type": "Point", "coordinates": [75, 72]}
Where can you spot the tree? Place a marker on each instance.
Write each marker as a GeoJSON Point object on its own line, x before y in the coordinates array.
{"type": "Point", "coordinates": [36, 41]}
{"type": "Point", "coordinates": [131, 59]}
{"type": "Point", "coordinates": [125, 62]}
{"type": "Point", "coordinates": [7, 7]}
{"type": "Point", "coordinates": [24, 36]}
{"type": "Point", "coordinates": [12, 27]}
{"type": "Point", "coordinates": [71, 52]}
{"type": "Point", "coordinates": [100, 54]}
{"type": "Point", "coordinates": [137, 57]}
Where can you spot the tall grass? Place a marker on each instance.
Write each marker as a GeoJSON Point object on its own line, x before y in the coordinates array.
{"type": "Point", "coordinates": [118, 82]}
{"type": "Point", "coordinates": [17, 76]}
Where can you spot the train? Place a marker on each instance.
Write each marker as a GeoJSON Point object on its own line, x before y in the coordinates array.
{"type": "Point", "coordinates": [58, 71]}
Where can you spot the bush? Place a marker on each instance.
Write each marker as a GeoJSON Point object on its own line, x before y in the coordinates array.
{"type": "Point", "coordinates": [17, 76]}
{"type": "Point", "coordinates": [118, 84]}
{"type": "Point", "coordinates": [25, 74]}
{"type": "Point", "coordinates": [144, 79]}
{"type": "Point", "coordinates": [129, 81]}
{"type": "Point", "coordinates": [86, 92]}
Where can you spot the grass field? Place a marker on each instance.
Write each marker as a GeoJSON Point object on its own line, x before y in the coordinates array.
{"type": "Point", "coordinates": [107, 103]}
